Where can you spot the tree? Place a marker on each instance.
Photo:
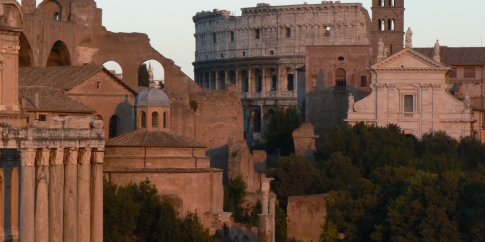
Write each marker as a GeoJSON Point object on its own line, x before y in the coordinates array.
{"type": "Point", "coordinates": [143, 76]}
{"type": "Point", "coordinates": [234, 195]}
{"type": "Point", "coordinates": [280, 128]}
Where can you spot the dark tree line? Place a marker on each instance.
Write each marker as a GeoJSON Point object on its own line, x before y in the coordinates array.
{"type": "Point", "coordinates": [387, 186]}
{"type": "Point", "coordinates": [136, 213]}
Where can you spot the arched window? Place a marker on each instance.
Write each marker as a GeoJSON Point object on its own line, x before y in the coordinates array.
{"type": "Point", "coordinates": [256, 121]}
{"type": "Point", "coordinates": [340, 78]}
{"type": "Point", "coordinates": [274, 82]}
{"type": "Point", "coordinates": [245, 81]}
{"type": "Point", "coordinates": [114, 123]}
{"type": "Point", "coordinates": [391, 24]}
{"type": "Point", "coordinates": [164, 120]}
{"type": "Point", "coordinates": [57, 16]}
{"type": "Point", "coordinates": [259, 81]}
{"type": "Point", "coordinates": [381, 3]}
{"type": "Point", "coordinates": [143, 119]}
{"type": "Point", "coordinates": [391, 3]}
{"type": "Point", "coordinates": [154, 120]}
{"type": "Point", "coordinates": [382, 24]}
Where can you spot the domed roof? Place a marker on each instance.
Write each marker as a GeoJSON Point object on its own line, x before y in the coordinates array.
{"type": "Point", "coordinates": [152, 96]}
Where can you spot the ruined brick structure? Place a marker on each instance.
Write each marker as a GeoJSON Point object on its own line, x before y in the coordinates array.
{"type": "Point", "coordinates": [263, 50]}
{"type": "Point", "coordinates": [69, 33]}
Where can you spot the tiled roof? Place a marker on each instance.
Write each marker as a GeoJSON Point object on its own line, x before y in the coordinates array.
{"type": "Point", "coordinates": [50, 99]}
{"type": "Point", "coordinates": [162, 170]}
{"type": "Point", "coordinates": [61, 77]}
{"type": "Point", "coordinates": [147, 138]}
{"type": "Point", "coordinates": [458, 56]}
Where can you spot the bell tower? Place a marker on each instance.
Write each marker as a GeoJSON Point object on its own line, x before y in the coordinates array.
{"type": "Point", "coordinates": [388, 25]}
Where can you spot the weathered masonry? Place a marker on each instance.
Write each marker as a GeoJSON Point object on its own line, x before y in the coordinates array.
{"type": "Point", "coordinates": [260, 50]}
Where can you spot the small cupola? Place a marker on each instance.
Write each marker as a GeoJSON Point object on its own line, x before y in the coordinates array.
{"type": "Point", "coordinates": [152, 109]}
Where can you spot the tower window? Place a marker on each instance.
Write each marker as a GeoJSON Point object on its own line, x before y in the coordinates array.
{"type": "Point", "coordinates": [214, 37]}
{"type": "Point", "coordinates": [164, 120]}
{"type": "Point", "coordinates": [382, 24]}
{"type": "Point", "coordinates": [232, 36]}
{"type": "Point", "coordinates": [391, 3]}
{"type": "Point", "coordinates": [391, 24]}
{"type": "Point", "coordinates": [143, 120]}
{"type": "Point", "coordinates": [256, 34]}
{"type": "Point", "coordinates": [381, 3]}
{"type": "Point", "coordinates": [288, 32]}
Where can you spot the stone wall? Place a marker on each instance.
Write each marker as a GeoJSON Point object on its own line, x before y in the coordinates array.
{"type": "Point", "coordinates": [306, 217]}
{"type": "Point", "coordinates": [241, 163]}
{"type": "Point", "coordinates": [304, 140]}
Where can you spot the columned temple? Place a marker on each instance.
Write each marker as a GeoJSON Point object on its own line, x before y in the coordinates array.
{"type": "Point", "coordinates": [51, 172]}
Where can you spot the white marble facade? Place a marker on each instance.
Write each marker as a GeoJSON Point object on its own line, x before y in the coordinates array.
{"type": "Point", "coordinates": [409, 89]}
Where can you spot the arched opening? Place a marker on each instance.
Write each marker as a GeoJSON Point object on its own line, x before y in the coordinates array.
{"type": "Point", "coordinates": [25, 52]}
{"type": "Point", "coordinates": [245, 81]}
{"type": "Point", "coordinates": [154, 120]}
{"type": "Point", "coordinates": [290, 79]}
{"type": "Point", "coordinates": [245, 238]}
{"type": "Point", "coordinates": [99, 117]}
{"type": "Point", "coordinates": [52, 9]}
{"type": "Point", "coordinates": [274, 79]}
{"type": "Point", "coordinates": [114, 123]}
{"type": "Point", "coordinates": [151, 70]}
{"type": "Point", "coordinates": [212, 84]}
{"type": "Point", "coordinates": [391, 24]}
{"type": "Point", "coordinates": [340, 78]}
{"type": "Point", "coordinates": [381, 3]}
{"type": "Point", "coordinates": [165, 120]}
{"type": "Point", "coordinates": [206, 80]}
{"type": "Point", "coordinates": [236, 239]}
{"type": "Point", "coordinates": [256, 121]}
{"type": "Point", "coordinates": [259, 80]}
{"type": "Point", "coordinates": [59, 55]}
{"type": "Point", "coordinates": [143, 119]}
{"type": "Point", "coordinates": [221, 80]}
{"type": "Point", "coordinates": [114, 68]}
{"type": "Point", "coordinates": [232, 77]}
{"type": "Point", "coordinates": [391, 3]}
{"type": "Point", "coordinates": [382, 24]}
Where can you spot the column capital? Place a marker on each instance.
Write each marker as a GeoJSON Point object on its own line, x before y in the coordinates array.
{"type": "Point", "coordinates": [43, 158]}
{"type": "Point", "coordinates": [27, 157]}
{"type": "Point", "coordinates": [84, 156]}
{"type": "Point", "coordinates": [57, 157]}
{"type": "Point", "coordinates": [98, 157]}
{"type": "Point", "coordinates": [72, 154]}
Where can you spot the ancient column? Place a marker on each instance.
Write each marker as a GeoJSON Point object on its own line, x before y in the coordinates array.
{"type": "Point", "coordinates": [27, 195]}
{"type": "Point", "coordinates": [42, 198]}
{"type": "Point", "coordinates": [56, 191]}
{"type": "Point", "coordinates": [97, 196]}
{"type": "Point", "coordinates": [83, 195]}
{"type": "Point", "coordinates": [70, 196]}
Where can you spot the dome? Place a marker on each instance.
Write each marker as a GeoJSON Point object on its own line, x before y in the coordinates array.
{"type": "Point", "coordinates": [152, 97]}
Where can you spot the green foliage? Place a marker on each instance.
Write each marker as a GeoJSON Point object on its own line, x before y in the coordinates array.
{"type": "Point", "coordinates": [294, 176]}
{"type": "Point", "coordinates": [234, 195]}
{"type": "Point", "coordinates": [281, 223]}
{"type": "Point", "coordinates": [143, 76]}
{"type": "Point", "coordinates": [280, 128]}
{"type": "Point", "coordinates": [135, 213]}
{"type": "Point", "coordinates": [193, 105]}
{"type": "Point", "coordinates": [388, 187]}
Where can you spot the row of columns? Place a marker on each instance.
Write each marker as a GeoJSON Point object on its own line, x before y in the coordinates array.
{"type": "Point", "coordinates": [212, 80]}
{"type": "Point", "coordinates": [61, 195]}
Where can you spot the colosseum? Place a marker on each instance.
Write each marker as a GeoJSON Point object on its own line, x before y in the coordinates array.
{"type": "Point", "coordinates": [262, 53]}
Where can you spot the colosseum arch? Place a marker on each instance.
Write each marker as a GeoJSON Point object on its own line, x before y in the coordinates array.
{"type": "Point", "coordinates": [25, 52]}
{"type": "Point", "coordinates": [59, 55]}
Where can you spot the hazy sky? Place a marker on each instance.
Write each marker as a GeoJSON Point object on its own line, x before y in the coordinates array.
{"type": "Point", "coordinates": [170, 27]}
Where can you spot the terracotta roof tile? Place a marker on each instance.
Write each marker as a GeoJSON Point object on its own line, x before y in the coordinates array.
{"type": "Point", "coordinates": [147, 138]}
{"type": "Point", "coordinates": [50, 99]}
{"type": "Point", "coordinates": [458, 56]}
{"type": "Point", "coordinates": [61, 77]}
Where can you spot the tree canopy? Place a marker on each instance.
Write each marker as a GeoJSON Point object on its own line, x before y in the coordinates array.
{"type": "Point", "coordinates": [143, 76]}
{"type": "Point", "coordinates": [280, 128]}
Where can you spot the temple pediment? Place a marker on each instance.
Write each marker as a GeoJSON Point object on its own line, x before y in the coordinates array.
{"type": "Point", "coordinates": [409, 59]}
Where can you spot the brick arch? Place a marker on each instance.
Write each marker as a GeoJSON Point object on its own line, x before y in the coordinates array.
{"type": "Point", "coordinates": [59, 55]}
{"type": "Point", "coordinates": [136, 49]}
{"type": "Point", "coordinates": [25, 53]}
{"type": "Point", "coordinates": [51, 8]}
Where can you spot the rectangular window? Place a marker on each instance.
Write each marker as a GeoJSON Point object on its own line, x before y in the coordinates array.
{"type": "Point", "coordinates": [408, 105]}
{"type": "Point", "coordinates": [288, 32]}
{"type": "Point", "coordinates": [232, 36]}
{"type": "Point", "coordinates": [42, 117]}
{"type": "Point", "coordinates": [363, 81]}
{"type": "Point", "coordinates": [469, 72]}
{"type": "Point", "coordinates": [453, 74]}
{"type": "Point", "coordinates": [256, 34]}
{"type": "Point", "coordinates": [326, 30]}
{"type": "Point", "coordinates": [214, 37]}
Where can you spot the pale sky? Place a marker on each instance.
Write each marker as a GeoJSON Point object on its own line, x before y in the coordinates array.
{"type": "Point", "coordinates": [170, 27]}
